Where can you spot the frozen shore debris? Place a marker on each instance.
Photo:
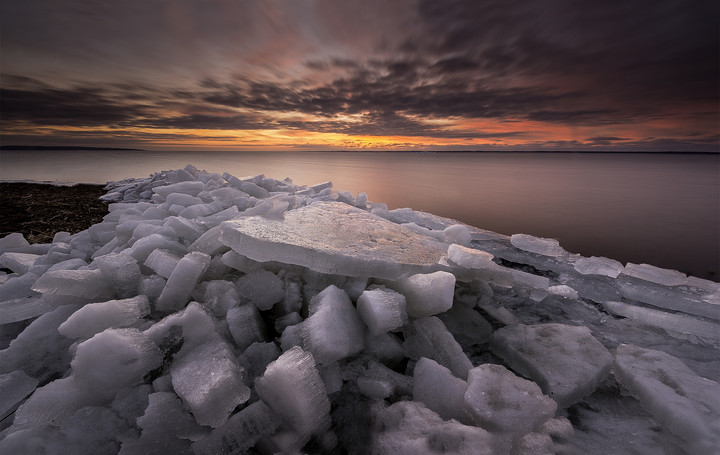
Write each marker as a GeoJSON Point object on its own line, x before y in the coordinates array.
{"type": "Point", "coordinates": [211, 314]}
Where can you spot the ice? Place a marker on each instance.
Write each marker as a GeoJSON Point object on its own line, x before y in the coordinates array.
{"type": "Point", "coordinates": [598, 266]}
{"type": "Point", "coordinates": [18, 262]}
{"type": "Point", "coordinates": [466, 325]}
{"type": "Point", "coordinates": [655, 274]}
{"type": "Point", "coordinates": [563, 290]}
{"type": "Point", "coordinates": [94, 430]}
{"type": "Point", "coordinates": [186, 230]}
{"type": "Point", "coordinates": [191, 188]}
{"type": "Point", "coordinates": [333, 331]}
{"type": "Point", "coordinates": [142, 248]}
{"type": "Point", "coordinates": [254, 190]}
{"type": "Point", "coordinates": [503, 403]}
{"type": "Point", "coordinates": [409, 428]}
{"type": "Point", "coordinates": [246, 325]}
{"type": "Point", "coordinates": [114, 359]}
{"type": "Point", "coordinates": [458, 234]}
{"type": "Point", "coordinates": [262, 288]}
{"type": "Point", "coordinates": [257, 357]}
{"type": "Point", "coordinates": [439, 390]}
{"type": "Point", "coordinates": [220, 296]}
{"type": "Point", "coordinates": [675, 299]}
{"type": "Point", "coordinates": [121, 270]}
{"type": "Point", "coordinates": [209, 242]}
{"type": "Point", "coordinates": [382, 310]}
{"type": "Point", "coordinates": [15, 387]}
{"type": "Point", "coordinates": [182, 199]}
{"type": "Point", "coordinates": [241, 432]}
{"type": "Point", "coordinates": [183, 279]}
{"type": "Point", "coordinates": [470, 258]}
{"type": "Point", "coordinates": [427, 294]}
{"type": "Point", "coordinates": [186, 329]}
{"type": "Point", "coordinates": [684, 403]}
{"type": "Point", "coordinates": [386, 348]}
{"type": "Point", "coordinates": [96, 317]}
{"type": "Point", "coordinates": [162, 262]}
{"type": "Point", "coordinates": [336, 238]}
{"type": "Point", "coordinates": [53, 403]}
{"type": "Point", "coordinates": [292, 387]}
{"type": "Point", "coordinates": [537, 245]}
{"type": "Point", "coordinates": [208, 379]}
{"type": "Point", "coordinates": [677, 324]}
{"type": "Point", "coordinates": [13, 242]}
{"type": "Point", "coordinates": [91, 284]}
{"type": "Point", "coordinates": [567, 362]}
{"type": "Point", "coordinates": [428, 337]}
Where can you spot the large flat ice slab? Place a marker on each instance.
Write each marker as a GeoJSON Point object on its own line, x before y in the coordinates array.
{"type": "Point", "coordinates": [331, 237]}
{"type": "Point", "coordinates": [680, 400]}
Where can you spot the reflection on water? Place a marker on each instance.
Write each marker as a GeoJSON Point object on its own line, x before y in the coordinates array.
{"type": "Point", "coordinates": [659, 209]}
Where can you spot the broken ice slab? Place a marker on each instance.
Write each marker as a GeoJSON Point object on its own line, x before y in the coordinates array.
{"type": "Point", "coordinates": [183, 279]}
{"type": "Point", "coordinates": [208, 379]}
{"type": "Point", "coordinates": [96, 317]}
{"type": "Point", "coordinates": [246, 325]}
{"type": "Point", "coordinates": [121, 270]}
{"type": "Point", "coordinates": [537, 245]}
{"type": "Point", "coordinates": [333, 331]}
{"type": "Point", "coordinates": [677, 324]}
{"type": "Point", "coordinates": [15, 387]}
{"type": "Point", "coordinates": [428, 337]}
{"type": "Point", "coordinates": [683, 402]}
{"type": "Point", "coordinates": [436, 387]}
{"type": "Point", "coordinates": [262, 288]}
{"type": "Point", "coordinates": [598, 266]}
{"type": "Point", "coordinates": [162, 262]}
{"type": "Point", "coordinates": [165, 418]}
{"type": "Point", "coordinates": [382, 310]}
{"type": "Point", "coordinates": [293, 388]}
{"type": "Point", "coordinates": [241, 432]}
{"type": "Point", "coordinates": [501, 402]}
{"type": "Point", "coordinates": [331, 237]}
{"type": "Point", "coordinates": [18, 262]}
{"type": "Point", "coordinates": [567, 362]}
{"type": "Point", "coordinates": [410, 428]}
{"type": "Point", "coordinates": [427, 294]}
{"type": "Point", "coordinates": [191, 187]}
{"type": "Point", "coordinates": [91, 284]}
{"type": "Point", "coordinates": [670, 298]}
{"type": "Point", "coordinates": [654, 274]}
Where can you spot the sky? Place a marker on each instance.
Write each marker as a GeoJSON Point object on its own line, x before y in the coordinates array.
{"type": "Point", "coordinates": [636, 75]}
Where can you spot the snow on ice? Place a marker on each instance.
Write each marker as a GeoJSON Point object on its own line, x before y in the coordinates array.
{"type": "Point", "coordinates": [211, 314]}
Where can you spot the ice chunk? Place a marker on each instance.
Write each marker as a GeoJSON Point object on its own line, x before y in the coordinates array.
{"type": "Point", "coordinates": [246, 325]}
{"type": "Point", "coordinates": [114, 359]}
{"type": "Point", "coordinates": [530, 280]}
{"type": "Point", "coordinates": [182, 281]}
{"type": "Point", "coordinates": [142, 248]}
{"type": "Point", "coordinates": [96, 317]}
{"type": "Point", "coordinates": [466, 325]}
{"type": "Point", "coordinates": [209, 242]}
{"type": "Point", "coordinates": [469, 257]}
{"type": "Point", "coordinates": [94, 430]}
{"type": "Point", "coordinates": [427, 294]}
{"type": "Point", "coordinates": [18, 262]}
{"type": "Point", "coordinates": [208, 379]}
{"type": "Point", "coordinates": [254, 190]}
{"type": "Point", "coordinates": [121, 270]}
{"type": "Point", "coordinates": [678, 324]}
{"type": "Point", "coordinates": [185, 229]}
{"type": "Point", "coordinates": [435, 385]}
{"type": "Point", "coordinates": [220, 296]}
{"type": "Point", "coordinates": [684, 403]}
{"type": "Point", "coordinates": [162, 262]}
{"type": "Point", "coordinates": [190, 187]}
{"type": "Point", "coordinates": [15, 387]}
{"type": "Point", "coordinates": [567, 362]}
{"type": "Point", "coordinates": [458, 234]}
{"type": "Point", "coordinates": [53, 403]}
{"type": "Point", "coordinates": [428, 337]}
{"type": "Point", "coordinates": [262, 288]}
{"type": "Point", "coordinates": [241, 432]}
{"type": "Point", "coordinates": [382, 310]}
{"type": "Point", "coordinates": [90, 284]}
{"type": "Point", "coordinates": [537, 245]}
{"type": "Point", "coordinates": [25, 308]}
{"type": "Point", "coordinates": [676, 299]}
{"type": "Point", "coordinates": [654, 274]}
{"type": "Point", "coordinates": [333, 331]}
{"type": "Point", "coordinates": [598, 266]}
{"type": "Point", "coordinates": [503, 403]}
{"type": "Point", "coordinates": [13, 242]}
{"type": "Point", "coordinates": [409, 428]}
{"type": "Point", "coordinates": [257, 357]}
{"type": "Point", "coordinates": [165, 418]}
{"type": "Point", "coordinates": [292, 387]}
{"type": "Point", "coordinates": [182, 199]}
{"type": "Point", "coordinates": [563, 291]}
{"type": "Point", "coordinates": [188, 328]}
{"type": "Point", "coordinates": [331, 237]}
{"type": "Point", "coordinates": [386, 348]}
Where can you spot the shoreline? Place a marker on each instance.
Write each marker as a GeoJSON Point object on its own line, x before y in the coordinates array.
{"type": "Point", "coordinates": [40, 210]}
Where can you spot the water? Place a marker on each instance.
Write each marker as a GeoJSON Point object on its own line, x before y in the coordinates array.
{"type": "Point", "coordinates": [658, 209]}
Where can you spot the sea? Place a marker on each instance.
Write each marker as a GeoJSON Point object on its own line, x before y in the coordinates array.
{"type": "Point", "coordinates": [659, 209]}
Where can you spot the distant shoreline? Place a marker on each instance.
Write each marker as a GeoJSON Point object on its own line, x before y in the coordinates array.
{"type": "Point", "coordinates": [64, 147]}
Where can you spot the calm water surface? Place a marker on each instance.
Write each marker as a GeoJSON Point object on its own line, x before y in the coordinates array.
{"type": "Point", "coordinates": [658, 209]}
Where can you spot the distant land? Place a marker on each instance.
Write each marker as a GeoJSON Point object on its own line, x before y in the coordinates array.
{"type": "Point", "coordinates": [63, 147]}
